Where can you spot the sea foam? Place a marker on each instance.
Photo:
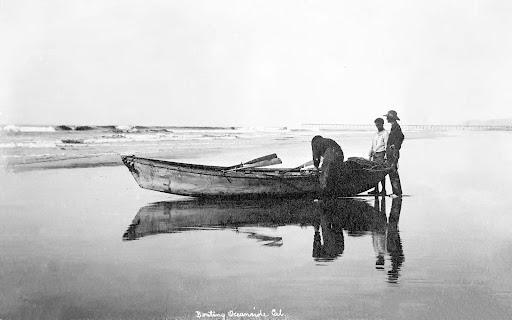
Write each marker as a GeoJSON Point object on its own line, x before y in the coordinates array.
{"type": "Point", "coordinates": [14, 128]}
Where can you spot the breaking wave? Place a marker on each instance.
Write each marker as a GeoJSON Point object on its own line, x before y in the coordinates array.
{"type": "Point", "coordinates": [78, 136]}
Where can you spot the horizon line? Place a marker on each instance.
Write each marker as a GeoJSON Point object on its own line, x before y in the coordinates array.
{"type": "Point", "coordinates": [253, 126]}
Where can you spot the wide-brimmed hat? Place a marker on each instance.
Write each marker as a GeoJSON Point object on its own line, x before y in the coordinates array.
{"type": "Point", "coordinates": [392, 114]}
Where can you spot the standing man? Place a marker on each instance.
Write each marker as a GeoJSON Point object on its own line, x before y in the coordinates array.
{"type": "Point", "coordinates": [395, 139]}
{"type": "Point", "coordinates": [378, 151]}
{"type": "Point", "coordinates": [332, 162]}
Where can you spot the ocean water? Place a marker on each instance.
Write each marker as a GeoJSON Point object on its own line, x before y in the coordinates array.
{"type": "Point", "coordinates": [38, 147]}
{"type": "Point", "coordinates": [88, 243]}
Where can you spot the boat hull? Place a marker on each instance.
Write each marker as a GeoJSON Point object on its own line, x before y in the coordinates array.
{"type": "Point", "coordinates": [212, 181]}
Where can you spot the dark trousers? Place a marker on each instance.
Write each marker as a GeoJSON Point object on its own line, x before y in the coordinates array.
{"type": "Point", "coordinates": [394, 177]}
{"type": "Point", "coordinates": [379, 158]}
{"type": "Point", "coordinates": [330, 176]}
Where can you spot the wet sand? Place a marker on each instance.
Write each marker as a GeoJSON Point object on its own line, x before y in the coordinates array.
{"type": "Point", "coordinates": [88, 243]}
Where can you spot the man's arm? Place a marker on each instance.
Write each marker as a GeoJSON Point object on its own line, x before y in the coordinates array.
{"type": "Point", "coordinates": [385, 135]}
{"type": "Point", "coordinates": [399, 139]}
{"type": "Point", "coordinates": [371, 152]}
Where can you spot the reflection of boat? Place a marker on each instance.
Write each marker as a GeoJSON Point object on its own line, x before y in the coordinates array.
{"type": "Point", "coordinates": [213, 181]}
{"type": "Point", "coordinates": [331, 219]}
{"type": "Point", "coordinates": [177, 216]}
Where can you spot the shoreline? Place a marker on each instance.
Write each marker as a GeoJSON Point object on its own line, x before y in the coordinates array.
{"type": "Point", "coordinates": [293, 149]}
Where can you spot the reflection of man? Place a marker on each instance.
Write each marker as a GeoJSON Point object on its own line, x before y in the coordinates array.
{"type": "Point", "coordinates": [332, 158]}
{"type": "Point", "coordinates": [379, 225]}
{"type": "Point", "coordinates": [329, 243]}
{"type": "Point", "coordinates": [386, 237]}
{"type": "Point", "coordinates": [394, 244]}
{"type": "Point", "coordinates": [394, 144]}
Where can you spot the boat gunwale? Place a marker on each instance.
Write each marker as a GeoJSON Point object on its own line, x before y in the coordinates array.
{"type": "Point", "coordinates": [253, 173]}
{"type": "Point", "coordinates": [256, 173]}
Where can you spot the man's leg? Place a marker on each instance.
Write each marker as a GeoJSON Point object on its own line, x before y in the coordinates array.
{"type": "Point", "coordinates": [379, 158]}
{"type": "Point", "coordinates": [375, 190]}
{"type": "Point", "coordinates": [383, 183]}
{"type": "Point", "coordinates": [326, 178]}
{"type": "Point", "coordinates": [334, 179]}
{"type": "Point", "coordinates": [394, 177]}
{"type": "Point", "coordinates": [396, 186]}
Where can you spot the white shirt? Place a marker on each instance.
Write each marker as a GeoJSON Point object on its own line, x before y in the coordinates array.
{"type": "Point", "coordinates": [379, 141]}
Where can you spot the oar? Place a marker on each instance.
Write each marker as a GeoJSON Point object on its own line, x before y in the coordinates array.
{"type": "Point", "coordinates": [310, 162]}
{"type": "Point", "coordinates": [269, 160]}
{"type": "Point", "coordinates": [263, 163]}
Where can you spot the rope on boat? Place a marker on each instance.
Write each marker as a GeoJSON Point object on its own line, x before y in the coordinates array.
{"type": "Point", "coordinates": [363, 163]}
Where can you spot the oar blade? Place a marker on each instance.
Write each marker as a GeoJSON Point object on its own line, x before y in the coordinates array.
{"type": "Point", "coordinates": [262, 163]}
{"type": "Point", "coordinates": [257, 160]}
{"type": "Point", "coordinates": [260, 159]}
{"type": "Point", "coordinates": [307, 164]}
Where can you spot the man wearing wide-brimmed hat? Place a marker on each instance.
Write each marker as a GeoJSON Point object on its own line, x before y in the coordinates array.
{"type": "Point", "coordinates": [395, 139]}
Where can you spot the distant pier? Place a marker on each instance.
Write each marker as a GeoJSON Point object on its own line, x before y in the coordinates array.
{"type": "Point", "coordinates": [412, 127]}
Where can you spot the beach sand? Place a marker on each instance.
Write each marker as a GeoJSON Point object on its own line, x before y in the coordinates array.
{"type": "Point", "coordinates": [448, 256]}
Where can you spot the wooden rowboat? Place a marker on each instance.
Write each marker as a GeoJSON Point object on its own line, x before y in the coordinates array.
{"type": "Point", "coordinates": [246, 180]}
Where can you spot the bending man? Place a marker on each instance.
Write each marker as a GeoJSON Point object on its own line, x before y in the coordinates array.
{"type": "Point", "coordinates": [332, 158]}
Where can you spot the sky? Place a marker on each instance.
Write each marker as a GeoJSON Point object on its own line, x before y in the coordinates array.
{"type": "Point", "coordinates": [254, 63]}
